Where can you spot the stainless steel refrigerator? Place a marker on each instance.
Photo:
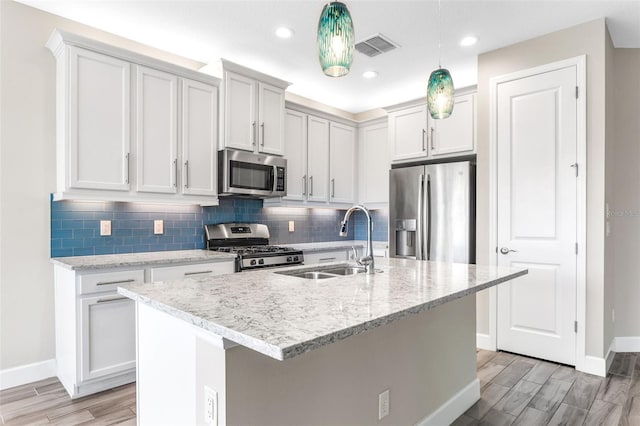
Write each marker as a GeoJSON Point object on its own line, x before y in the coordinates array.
{"type": "Point", "coordinates": [432, 212]}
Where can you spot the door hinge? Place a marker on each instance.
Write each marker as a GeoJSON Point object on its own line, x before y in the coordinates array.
{"type": "Point", "coordinates": [576, 248]}
{"type": "Point", "coordinates": [575, 166]}
{"type": "Point", "coordinates": [575, 326]}
{"type": "Point", "coordinates": [577, 92]}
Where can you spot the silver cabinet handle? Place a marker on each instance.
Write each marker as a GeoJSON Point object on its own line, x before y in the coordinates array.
{"type": "Point", "coordinates": [304, 185]}
{"type": "Point", "coordinates": [262, 131]}
{"type": "Point", "coordinates": [310, 185]}
{"type": "Point", "coordinates": [175, 172]}
{"type": "Point", "coordinates": [327, 259]}
{"type": "Point", "coordinates": [130, 280]}
{"type": "Point", "coordinates": [333, 188]}
{"type": "Point", "coordinates": [253, 126]}
{"type": "Point", "coordinates": [431, 136]}
{"type": "Point", "coordinates": [113, 299]}
{"type": "Point", "coordinates": [424, 132]}
{"type": "Point", "coordinates": [186, 174]}
{"type": "Point", "coordinates": [126, 159]}
{"type": "Point", "coordinates": [197, 273]}
{"type": "Point", "coordinates": [507, 250]}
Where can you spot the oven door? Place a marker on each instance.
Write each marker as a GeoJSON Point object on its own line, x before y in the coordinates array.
{"type": "Point", "coordinates": [247, 173]}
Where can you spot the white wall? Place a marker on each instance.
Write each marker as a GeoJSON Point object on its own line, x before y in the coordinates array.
{"type": "Point", "coordinates": [27, 173]}
{"type": "Point", "coordinates": [589, 39]}
{"type": "Point", "coordinates": [625, 206]}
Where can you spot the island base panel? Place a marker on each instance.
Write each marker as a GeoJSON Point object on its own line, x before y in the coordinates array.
{"type": "Point", "coordinates": [426, 361]}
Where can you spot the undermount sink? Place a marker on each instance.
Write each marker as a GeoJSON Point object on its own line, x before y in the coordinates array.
{"type": "Point", "coordinates": [323, 272]}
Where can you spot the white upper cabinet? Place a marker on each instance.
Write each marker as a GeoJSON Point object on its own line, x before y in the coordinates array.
{"type": "Point", "coordinates": [199, 138]}
{"type": "Point", "coordinates": [317, 159]}
{"type": "Point", "coordinates": [96, 108]}
{"type": "Point", "coordinates": [456, 134]}
{"type": "Point", "coordinates": [295, 140]}
{"type": "Point", "coordinates": [156, 131]}
{"type": "Point", "coordinates": [132, 128]}
{"type": "Point", "coordinates": [342, 160]}
{"type": "Point", "coordinates": [374, 165]}
{"type": "Point", "coordinates": [414, 135]}
{"type": "Point", "coordinates": [408, 133]}
{"type": "Point", "coordinates": [253, 110]}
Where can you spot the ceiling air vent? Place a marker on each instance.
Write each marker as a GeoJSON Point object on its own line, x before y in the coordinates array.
{"type": "Point", "coordinates": [375, 45]}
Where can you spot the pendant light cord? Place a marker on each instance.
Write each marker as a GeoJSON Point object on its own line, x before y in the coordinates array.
{"type": "Point", "coordinates": [439, 33]}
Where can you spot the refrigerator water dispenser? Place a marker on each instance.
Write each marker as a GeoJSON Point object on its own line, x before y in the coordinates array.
{"type": "Point", "coordinates": [406, 237]}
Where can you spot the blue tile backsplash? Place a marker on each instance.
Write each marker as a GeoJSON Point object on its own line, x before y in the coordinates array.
{"type": "Point", "coordinates": [75, 225]}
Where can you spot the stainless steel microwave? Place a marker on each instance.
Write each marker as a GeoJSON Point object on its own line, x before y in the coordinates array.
{"type": "Point", "coordinates": [246, 173]}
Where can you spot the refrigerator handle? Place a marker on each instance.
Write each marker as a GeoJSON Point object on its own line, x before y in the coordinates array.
{"type": "Point", "coordinates": [419, 251]}
{"type": "Point", "coordinates": [428, 218]}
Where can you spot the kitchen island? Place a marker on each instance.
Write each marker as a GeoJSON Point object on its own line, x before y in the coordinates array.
{"type": "Point", "coordinates": [268, 348]}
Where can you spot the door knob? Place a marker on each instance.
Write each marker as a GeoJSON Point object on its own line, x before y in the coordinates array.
{"type": "Point", "coordinates": [506, 250]}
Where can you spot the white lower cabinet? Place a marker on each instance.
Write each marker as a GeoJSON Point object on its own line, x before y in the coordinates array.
{"type": "Point", "coordinates": [312, 258]}
{"type": "Point", "coordinates": [107, 336]}
{"type": "Point", "coordinates": [95, 326]}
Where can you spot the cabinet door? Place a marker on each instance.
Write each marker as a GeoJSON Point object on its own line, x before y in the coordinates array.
{"type": "Point", "coordinates": [408, 133]}
{"type": "Point", "coordinates": [167, 273]}
{"type": "Point", "coordinates": [107, 335]}
{"type": "Point", "coordinates": [312, 258]}
{"type": "Point", "coordinates": [99, 121]}
{"type": "Point", "coordinates": [295, 151]}
{"type": "Point", "coordinates": [317, 159]}
{"type": "Point", "coordinates": [342, 163]}
{"type": "Point", "coordinates": [156, 133]}
{"type": "Point", "coordinates": [373, 156]}
{"type": "Point", "coordinates": [455, 134]}
{"type": "Point", "coordinates": [240, 112]}
{"type": "Point", "coordinates": [271, 113]}
{"type": "Point", "coordinates": [199, 138]}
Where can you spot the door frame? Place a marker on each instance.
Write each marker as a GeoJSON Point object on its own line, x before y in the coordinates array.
{"type": "Point", "coordinates": [583, 362]}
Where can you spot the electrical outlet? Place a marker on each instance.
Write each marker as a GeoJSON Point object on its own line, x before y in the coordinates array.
{"type": "Point", "coordinates": [105, 228]}
{"type": "Point", "coordinates": [383, 405]}
{"type": "Point", "coordinates": [158, 227]}
{"type": "Point", "coordinates": [210, 406]}
{"type": "Point", "coordinates": [292, 226]}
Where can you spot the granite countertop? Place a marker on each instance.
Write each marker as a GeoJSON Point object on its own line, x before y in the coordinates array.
{"type": "Point", "coordinates": [84, 263]}
{"type": "Point", "coordinates": [283, 316]}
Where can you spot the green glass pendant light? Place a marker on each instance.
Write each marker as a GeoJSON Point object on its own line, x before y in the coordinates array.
{"type": "Point", "coordinates": [335, 39]}
{"type": "Point", "coordinates": [440, 86]}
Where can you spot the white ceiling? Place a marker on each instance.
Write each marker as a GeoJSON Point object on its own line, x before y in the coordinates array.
{"type": "Point", "coordinates": [243, 32]}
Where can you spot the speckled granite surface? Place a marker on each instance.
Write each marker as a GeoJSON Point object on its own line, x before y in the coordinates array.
{"type": "Point", "coordinates": [80, 263]}
{"type": "Point", "coordinates": [283, 316]}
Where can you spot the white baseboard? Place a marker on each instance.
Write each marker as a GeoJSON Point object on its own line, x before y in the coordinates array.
{"type": "Point", "coordinates": [454, 407]}
{"type": "Point", "coordinates": [627, 344]}
{"type": "Point", "coordinates": [483, 341]}
{"type": "Point", "coordinates": [29, 373]}
{"type": "Point", "coordinates": [594, 365]}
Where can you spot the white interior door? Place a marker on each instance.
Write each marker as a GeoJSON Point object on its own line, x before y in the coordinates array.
{"type": "Point", "coordinates": [536, 147]}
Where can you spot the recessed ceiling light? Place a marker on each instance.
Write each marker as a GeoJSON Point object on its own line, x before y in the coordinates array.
{"type": "Point", "coordinates": [369, 74]}
{"type": "Point", "coordinates": [284, 32]}
{"type": "Point", "coordinates": [468, 41]}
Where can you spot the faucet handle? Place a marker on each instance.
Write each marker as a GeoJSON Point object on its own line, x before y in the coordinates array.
{"type": "Point", "coordinates": [355, 253]}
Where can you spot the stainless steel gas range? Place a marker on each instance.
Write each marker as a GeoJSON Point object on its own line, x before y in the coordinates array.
{"type": "Point", "coordinates": [250, 244]}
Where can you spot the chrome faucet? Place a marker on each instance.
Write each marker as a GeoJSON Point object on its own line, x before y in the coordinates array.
{"type": "Point", "coordinates": [367, 259]}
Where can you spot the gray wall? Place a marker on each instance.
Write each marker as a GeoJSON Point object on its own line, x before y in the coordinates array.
{"type": "Point", "coordinates": [590, 39]}
{"type": "Point", "coordinates": [625, 207]}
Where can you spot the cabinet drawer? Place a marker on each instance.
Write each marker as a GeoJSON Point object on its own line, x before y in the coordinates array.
{"type": "Point", "coordinates": [109, 281]}
{"type": "Point", "coordinates": [325, 257]}
{"type": "Point", "coordinates": [191, 271]}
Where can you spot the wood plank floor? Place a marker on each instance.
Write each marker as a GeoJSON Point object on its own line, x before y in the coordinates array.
{"type": "Point", "coordinates": [514, 390]}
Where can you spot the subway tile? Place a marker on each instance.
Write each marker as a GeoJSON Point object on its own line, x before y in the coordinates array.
{"type": "Point", "coordinates": [61, 233]}
{"type": "Point", "coordinates": [61, 252]}
{"type": "Point", "coordinates": [71, 224]}
{"type": "Point", "coordinates": [84, 251]}
{"type": "Point", "coordinates": [105, 250]}
{"type": "Point", "coordinates": [83, 233]}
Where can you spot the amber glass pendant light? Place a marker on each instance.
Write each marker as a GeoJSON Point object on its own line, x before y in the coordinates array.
{"type": "Point", "coordinates": [440, 86]}
{"type": "Point", "coordinates": [335, 39]}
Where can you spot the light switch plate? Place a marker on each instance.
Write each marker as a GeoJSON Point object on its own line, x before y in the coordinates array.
{"type": "Point", "coordinates": [105, 228]}
{"type": "Point", "coordinates": [158, 227]}
{"type": "Point", "coordinates": [292, 226]}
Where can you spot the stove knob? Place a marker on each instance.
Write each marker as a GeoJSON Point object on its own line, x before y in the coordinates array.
{"type": "Point", "coordinates": [289, 259]}
{"type": "Point", "coordinates": [261, 261]}
{"type": "Point", "coordinates": [253, 262]}
{"type": "Point", "coordinates": [295, 258]}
